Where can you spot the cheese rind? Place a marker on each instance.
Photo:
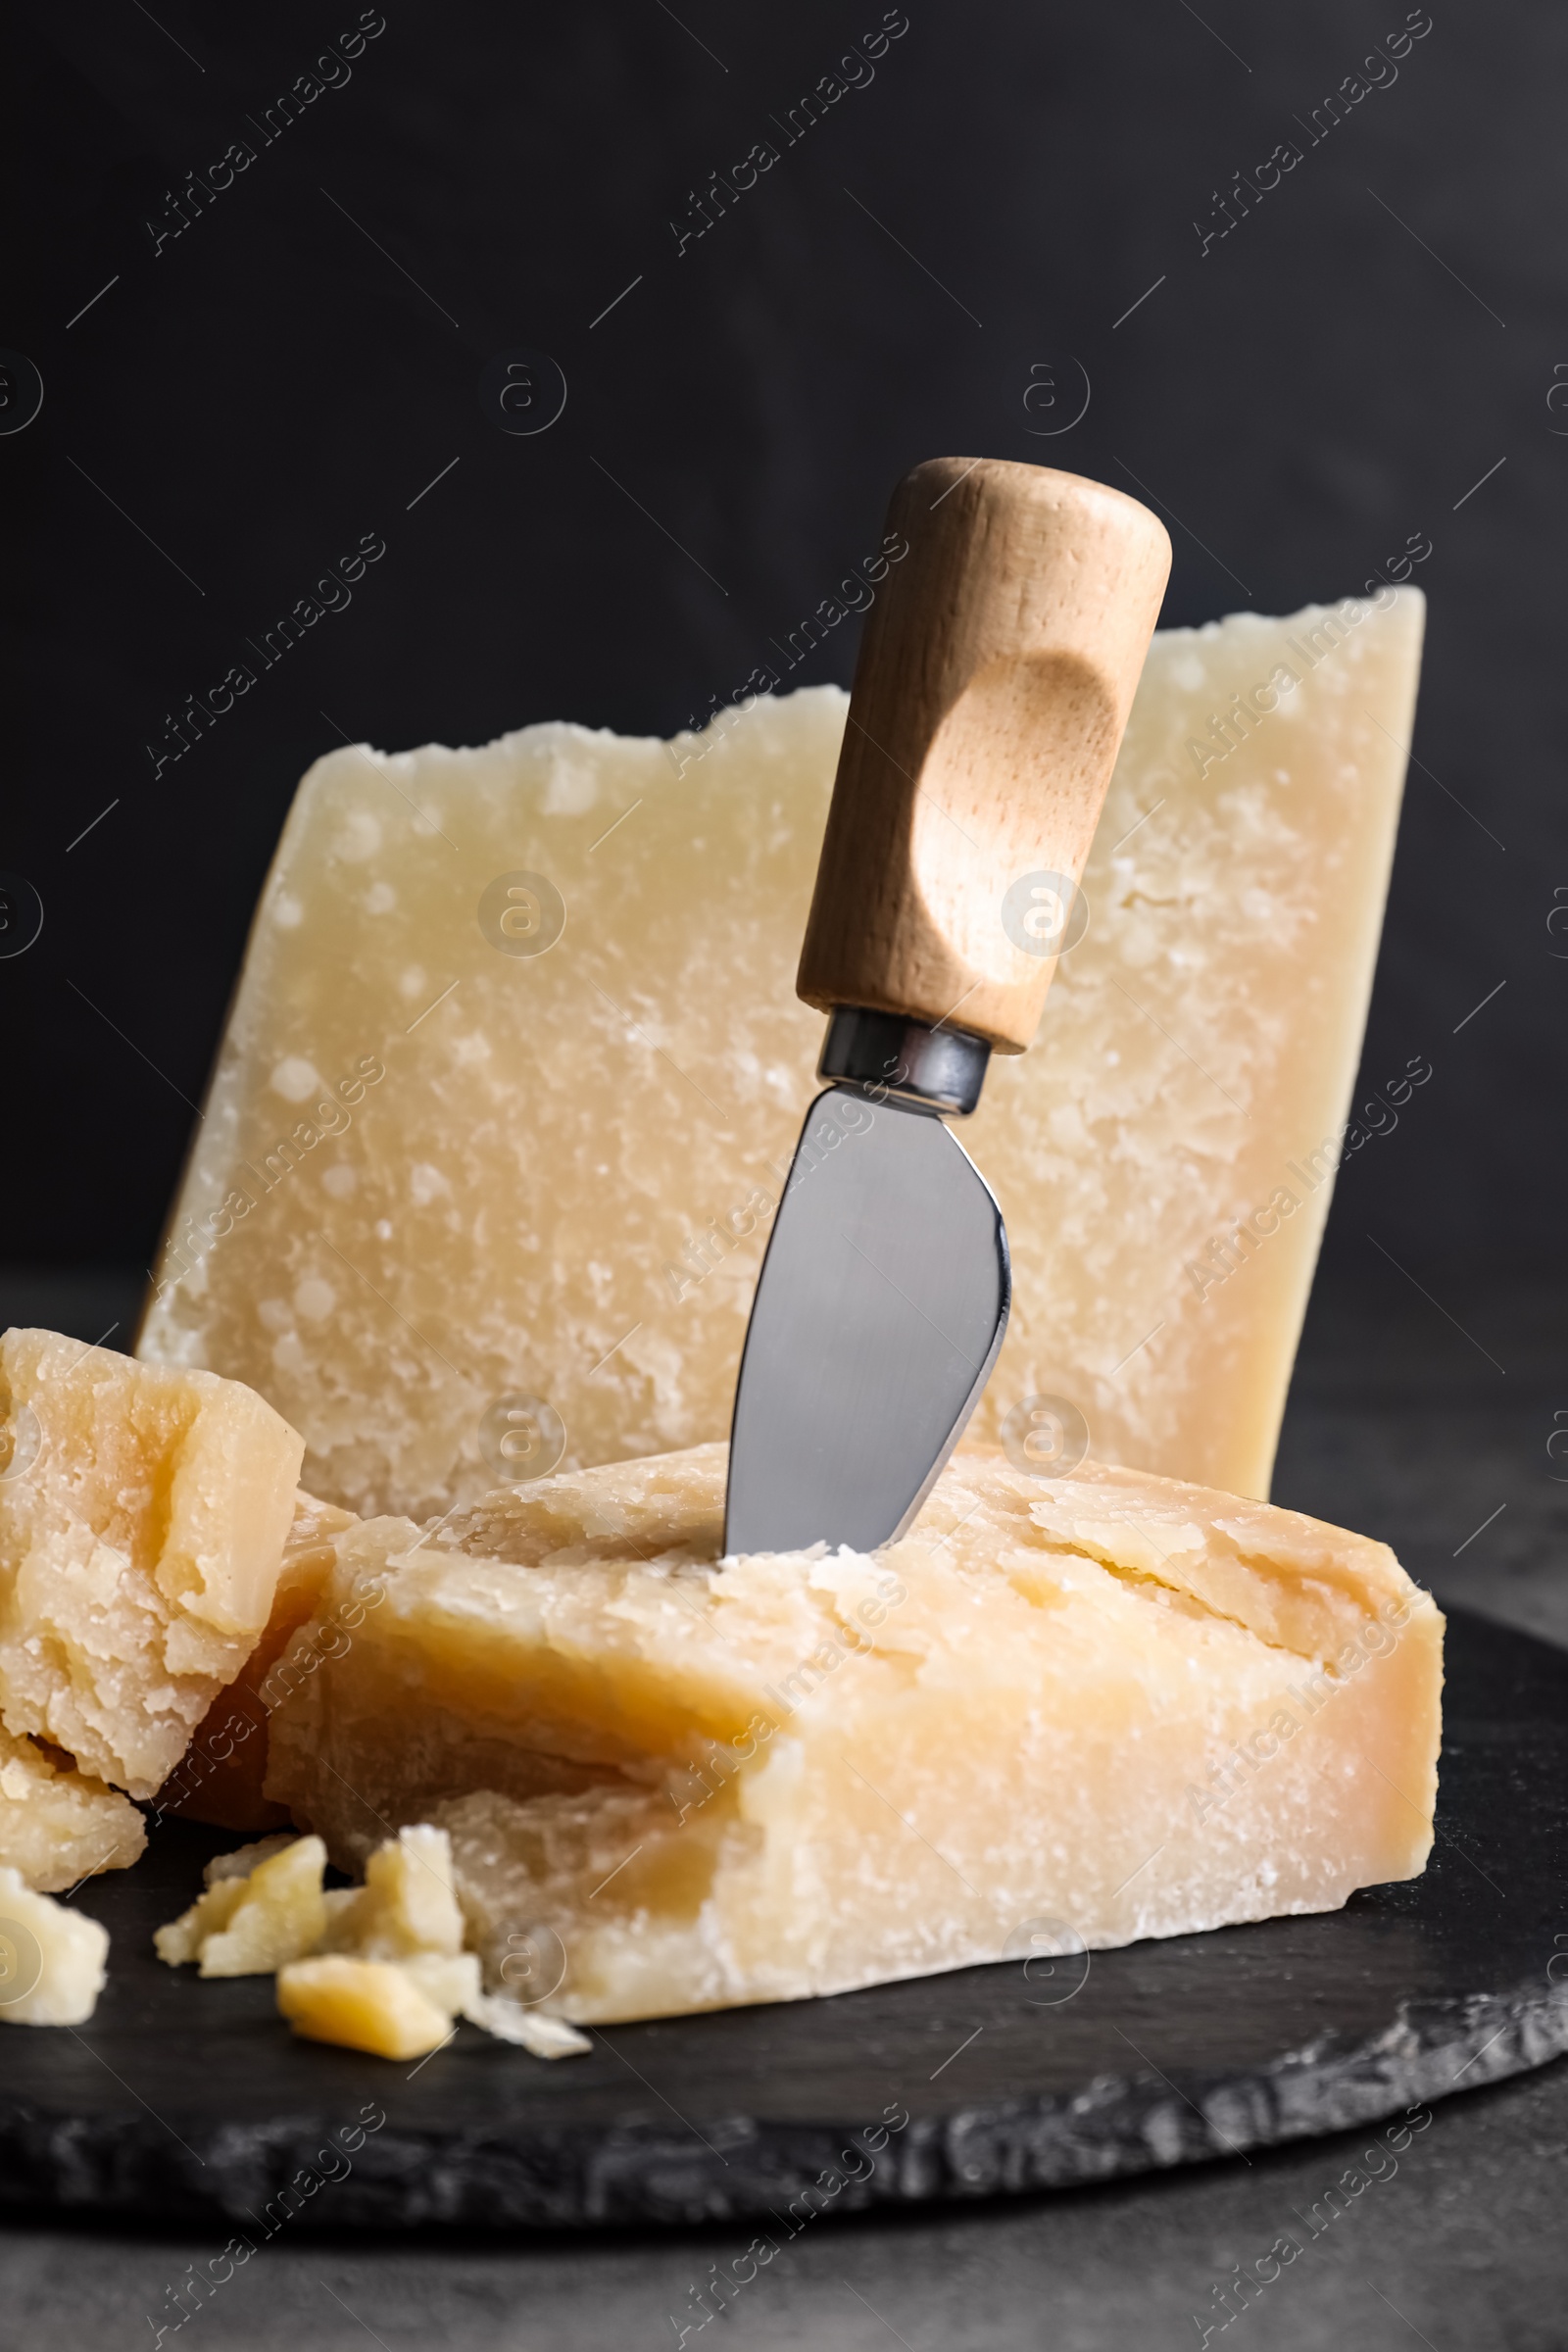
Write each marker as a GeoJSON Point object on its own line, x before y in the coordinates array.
{"type": "Point", "coordinates": [138, 1550]}
{"type": "Point", "coordinates": [1123, 1704]}
{"type": "Point", "coordinates": [551, 1174]}
{"type": "Point", "coordinates": [59, 1826]}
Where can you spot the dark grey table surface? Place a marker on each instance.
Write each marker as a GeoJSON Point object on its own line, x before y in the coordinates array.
{"type": "Point", "coordinates": [1423, 1417]}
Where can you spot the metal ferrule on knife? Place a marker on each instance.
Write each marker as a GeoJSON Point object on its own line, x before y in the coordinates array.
{"type": "Point", "coordinates": [932, 1067]}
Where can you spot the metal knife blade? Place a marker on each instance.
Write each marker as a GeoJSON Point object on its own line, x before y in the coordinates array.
{"type": "Point", "coordinates": [879, 1312]}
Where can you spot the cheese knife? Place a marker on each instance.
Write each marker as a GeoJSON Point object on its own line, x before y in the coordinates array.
{"type": "Point", "coordinates": [992, 689]}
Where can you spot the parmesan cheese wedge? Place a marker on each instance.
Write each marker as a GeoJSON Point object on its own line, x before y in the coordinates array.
{"type": "Point", "coordinates": [1061, 1714]}
{"type": "Point", "coordinates": [142, 1520]}
{"type": "Point", "coordinates": [516, 1065]}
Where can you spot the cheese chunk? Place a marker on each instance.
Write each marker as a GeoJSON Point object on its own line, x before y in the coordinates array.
{"type": "Point", "coordinates": [139, 1548]}
{"type": "Point", "coordinates": [219, 1778]}
{"type": "Point", "coordinates": [1087, 1710]}
{"type": "Point", "coordinates": [380, 1967]}
{"type": "Point", "coordinates": [53, 1961]}
{"type": "Point", "coordinates": [516, 1068]}
{"type": "Point", "coordinates": [263, 1908]}
{"type": "Point", "coordinates": [405, 1905]}
{"type": "Point", "coordinates": [363, 2005]}
{"type": "Point", "coordinates": [401, 1930]}
{"type": "Point", "coordinates": [56, 1824]}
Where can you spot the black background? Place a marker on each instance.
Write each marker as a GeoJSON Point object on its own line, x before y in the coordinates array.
{"type": "Point", "coordinates": [281, 379]}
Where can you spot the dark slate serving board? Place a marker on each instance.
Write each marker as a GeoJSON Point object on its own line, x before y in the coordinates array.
{"type": "Point", "coordinates": [183, 2099]}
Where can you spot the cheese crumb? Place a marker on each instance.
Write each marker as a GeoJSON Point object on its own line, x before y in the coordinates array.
{"type": "Point", "coordinates": [52, 1960]}
{"type": "Point", "coordinates": [256, 1918]}
{"type": "Point", "coordinates": [406, 1917]}
{"type": "Point", "coordinates": [406, 1904]}
{"type": "Point", "coordinates": [380, 1967]}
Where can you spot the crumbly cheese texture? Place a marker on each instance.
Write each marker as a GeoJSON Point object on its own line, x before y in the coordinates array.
{"type": "Point", "coordinates": [140, 1547]}
{"type": "Point", "coordinates": [263, 1907]}
{"type": "Point", "coordinates": [406, 1916]}
{"type": "Point", "coordinates": [264, 1910]}
{"type": "Point", "coordinates": [53, 1961]}
{"type": "Point", "coordinates": [436, 1174]}
{"type": "Point", "coordinates": [1115, 1704]}
{"type": "Point", "coordinates": [219, 1778]}
{"type": "Point", "coordinates": [378, 1967]}
{"type": "Point", "coordinates": [406, 1907]}
{"type": "Point", "coordinates": [59, 1826]}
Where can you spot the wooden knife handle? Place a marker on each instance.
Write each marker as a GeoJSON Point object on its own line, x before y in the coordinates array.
{"type": "Point", "coordinates": [992, 686]}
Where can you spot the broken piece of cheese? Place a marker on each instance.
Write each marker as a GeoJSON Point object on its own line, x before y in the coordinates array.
{"type": "Point", "coordinates": [392, 1976]}
{"type": "Point", "coordinates": [371, 2005]}
{"type": "Point", "coordinates": [463, 1146]}
{"type": "Point", "coordinates": [406, 1916]}
{"type": "Point", "coordinates": [139, 1548]}
{"type": "Point", "coordinates": [1114, 1702]}
{"type": "Point", "coordinates": [380, 1967]}
{"type": "Point", "coordinates": [406, 1907]}
{"type": "Point", "coordinates": [53, 1960]}
{"type": "Point", "coordinates": [58, 1824]}
{"type": "Point", "coordinates": [263, 1907]}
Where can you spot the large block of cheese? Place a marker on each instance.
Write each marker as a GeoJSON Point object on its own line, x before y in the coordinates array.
{"type": "Point", "coordinates": [516, 1065]}
{"type": "Point", "coordinates": [1087, 1710]}
{"type": "Point", "coordinates": [143, 1521]}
